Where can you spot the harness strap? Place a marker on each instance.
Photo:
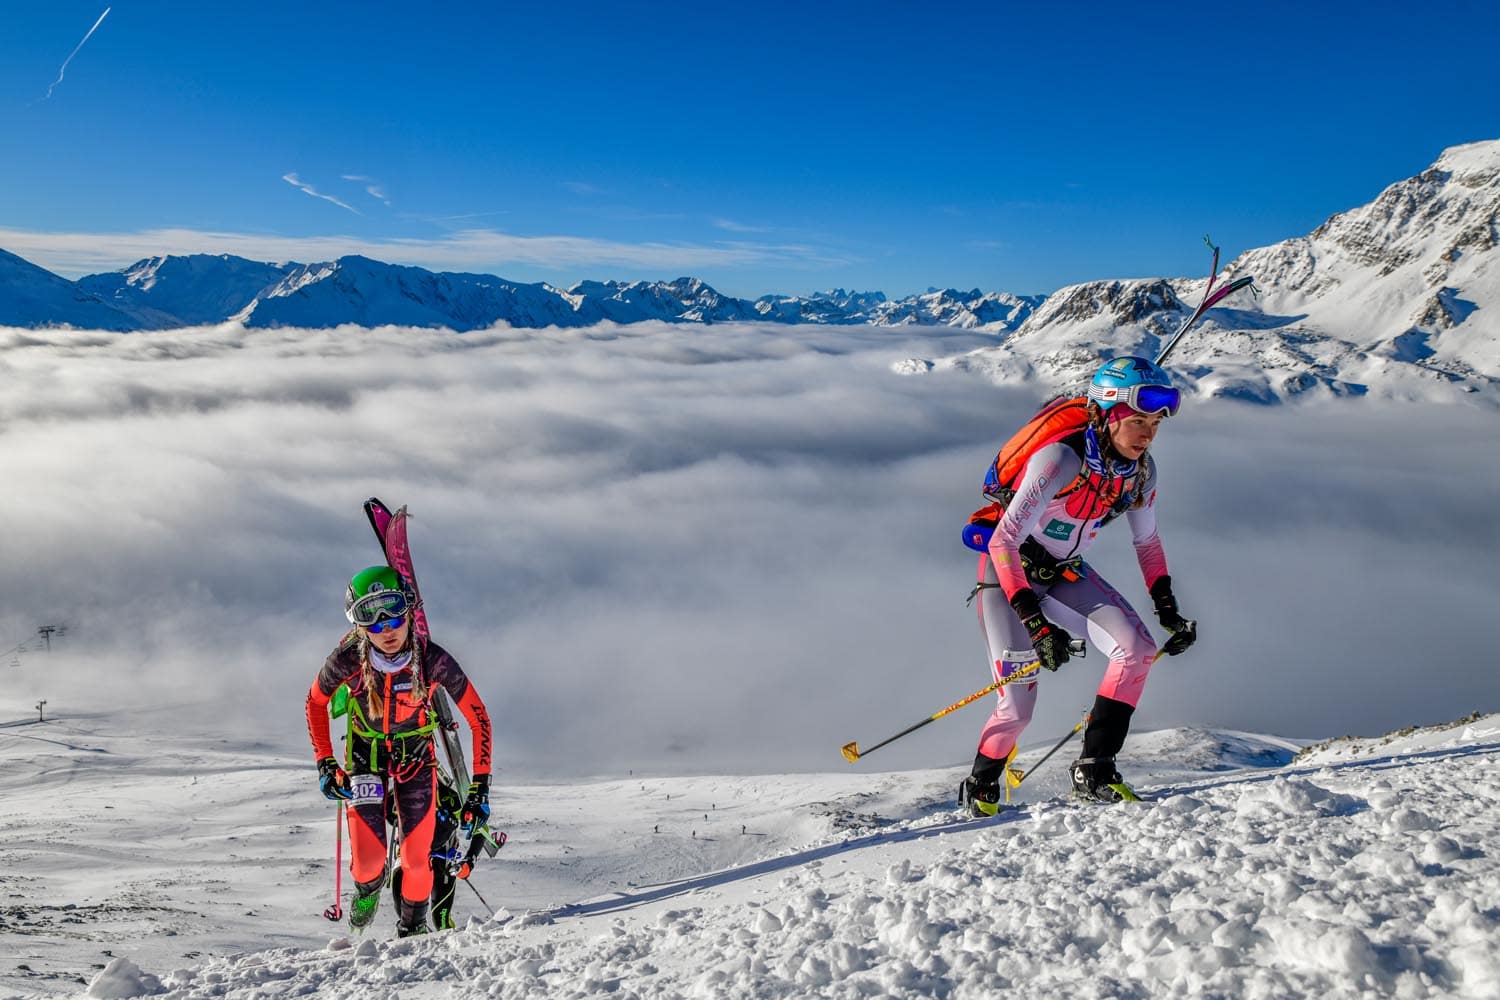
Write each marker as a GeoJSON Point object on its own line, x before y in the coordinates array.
{"type": "Point", "coordinates": [362, 730]}
{"type": "Point", "coordinates": [373, 734]}
{"type": "Point", "coordinates": [1043, 567]}
{"type": "Point", "coordinates": [981, 585]}
{"type": "Point", "coordinates": [1040, 566]}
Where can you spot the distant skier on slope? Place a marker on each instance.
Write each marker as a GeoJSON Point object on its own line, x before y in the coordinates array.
{"type": "Point", "coordinates": [392, 676]}
{"type": "Point", "coordinates": [1075, 467]}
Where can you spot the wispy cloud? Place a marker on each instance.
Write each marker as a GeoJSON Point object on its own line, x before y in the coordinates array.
{"type": "Point", "coordinates": [64, 68]}
{"type": "Point", "coordinates": [77, 254]}
{"type": "Point", "coordinates": [297, 183]}
{"type": "Point", "coordinates": [372, 187]}
{"type": "Point", "coordinates": [729, 225]}
{"type": "Point", "coordinates": [443, 220]}
{"type": "Point", "coordinates": [583, 188]}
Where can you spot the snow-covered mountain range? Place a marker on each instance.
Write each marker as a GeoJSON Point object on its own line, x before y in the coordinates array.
{"type": "Point", "coordinates": [170, 292]}
{"type": "Point", "coordinates": [1400, 297]}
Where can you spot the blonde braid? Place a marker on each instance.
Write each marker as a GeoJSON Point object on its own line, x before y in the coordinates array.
{"type": "Point", "coordinates": [373, 703]}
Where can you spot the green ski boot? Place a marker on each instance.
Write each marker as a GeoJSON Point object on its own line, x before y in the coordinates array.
{"type": "Point", "coordinates": [366, 901]}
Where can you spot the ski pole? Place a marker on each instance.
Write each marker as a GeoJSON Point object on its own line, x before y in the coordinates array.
{"type": "Point", "coordinates": [487, 906]}
{"type": "Point", "coordinates": [1014, 775]}
{"type": "Point", "coordinates": [336, 911]}
{"type": "Point", "coordinates": [852, 752]}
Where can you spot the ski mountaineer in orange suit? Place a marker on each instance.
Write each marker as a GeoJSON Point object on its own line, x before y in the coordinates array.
{"type": "Point", "coordinates": [392, 677]}
{"type": "Point", "coordinates": [1082, 467]}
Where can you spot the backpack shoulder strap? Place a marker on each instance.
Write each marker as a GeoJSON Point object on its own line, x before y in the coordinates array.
{"type": "Point", "coordinates": [1059, 419]}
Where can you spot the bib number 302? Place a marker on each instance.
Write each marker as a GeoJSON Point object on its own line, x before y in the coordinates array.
{"type": "Point", "coordinates": [367, 789]}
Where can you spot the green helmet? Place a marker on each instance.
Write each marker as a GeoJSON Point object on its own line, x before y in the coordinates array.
{"type": "Point", "coordinates": [377, 592]}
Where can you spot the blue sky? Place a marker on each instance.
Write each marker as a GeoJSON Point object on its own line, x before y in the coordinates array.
{"type": "Point", "coordinates": [764, 147]}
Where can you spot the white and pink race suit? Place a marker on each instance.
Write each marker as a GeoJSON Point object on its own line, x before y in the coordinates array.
{"type": "Point", "coordinates": [1066, 493]}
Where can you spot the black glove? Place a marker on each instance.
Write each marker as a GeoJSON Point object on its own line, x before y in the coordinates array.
{"type": "Point", "coordinates": [476, 811]}
{"type": "Point", "coordinates": [1184, 630]}
{"type": "Point", "coordinates": [1050, 641]}
{"type": "Point", "coordinates": [333, 781]}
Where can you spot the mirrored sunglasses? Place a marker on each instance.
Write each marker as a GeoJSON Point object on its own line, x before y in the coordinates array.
{"type": "Point", "coordinates": [386, 625]}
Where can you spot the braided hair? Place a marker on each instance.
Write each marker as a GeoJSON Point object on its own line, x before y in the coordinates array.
{"type": "Point", "coordinates": [374, 704]}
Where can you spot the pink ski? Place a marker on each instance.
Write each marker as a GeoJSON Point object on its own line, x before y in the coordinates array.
{"type": "Point", "coordinates": [391, 530]}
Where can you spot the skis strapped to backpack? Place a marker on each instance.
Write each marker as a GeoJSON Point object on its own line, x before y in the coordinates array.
{"type": "Point", "coordinates": [390, 529]}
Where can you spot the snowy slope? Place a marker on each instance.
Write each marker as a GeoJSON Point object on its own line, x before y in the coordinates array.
{"type": "Point", "coordinates": [1399, 298]}
{"type": "Point", "coordinates": [33, 297]}
{"type": "Point", "coordinates": [1368, 871]}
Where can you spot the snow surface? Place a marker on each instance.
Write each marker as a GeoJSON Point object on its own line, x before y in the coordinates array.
{"type": "Point", "coordinates": [179, 866]}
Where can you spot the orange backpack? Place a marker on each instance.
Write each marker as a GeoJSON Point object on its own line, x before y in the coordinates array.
{"type": "Point", "coordinates": [1058, 419]}
{"type": "Point", "coordinates": [1053, 422]}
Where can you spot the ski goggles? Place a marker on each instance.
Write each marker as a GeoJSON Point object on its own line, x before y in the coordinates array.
{"type": "Point", "coordinates": [386, 625]}
{"type": "Point", "coordinates": [371, 608]}
{"type": "Point", "coordinates": [1147, 399]}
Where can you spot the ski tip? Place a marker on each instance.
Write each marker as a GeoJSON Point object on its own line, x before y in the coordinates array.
{"type": "Point", "coordinates": [850, 751]}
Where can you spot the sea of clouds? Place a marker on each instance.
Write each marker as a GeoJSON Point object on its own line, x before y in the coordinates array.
{"type": "Point", "coordinates": [685, 548]}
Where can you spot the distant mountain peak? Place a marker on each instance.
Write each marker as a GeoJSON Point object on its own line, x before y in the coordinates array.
{"type": "Point", "coordinates": [1400, 296]}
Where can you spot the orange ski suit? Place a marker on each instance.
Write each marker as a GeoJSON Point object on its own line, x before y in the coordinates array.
{"type": "Point", "coordinates": [390, 756]}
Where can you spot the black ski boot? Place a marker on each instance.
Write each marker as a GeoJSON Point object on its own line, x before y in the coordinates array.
{"type": "Point", "coordinates": [1094, 771]}
{"type": "Point", "coordinates": [1094, 778]}
{"type": "Point", "coordinates": [980, 791]}
{"type": "Point", "coordinates": [412, 919]}
{"type": "Point", "coordinates": [365, 902]}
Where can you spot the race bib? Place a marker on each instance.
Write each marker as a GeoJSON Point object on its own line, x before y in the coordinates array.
{"type": "Point", "coordinates": [367, 789]}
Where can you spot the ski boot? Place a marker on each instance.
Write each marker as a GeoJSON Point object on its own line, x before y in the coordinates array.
{"type": "Point", "coordinates": [365, 902]}
{"type": "Point", "coordinates": [982, 798]}
{"type": "Point", "coordinates": [1096, 780]}
{"type": "Point", "coordinates": [411, 919]}
{"type": "Point", "coordinates": [980, 791]}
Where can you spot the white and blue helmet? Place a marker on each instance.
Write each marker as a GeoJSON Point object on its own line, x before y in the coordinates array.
{"type": "Point", "coordinates": [1138, 384]}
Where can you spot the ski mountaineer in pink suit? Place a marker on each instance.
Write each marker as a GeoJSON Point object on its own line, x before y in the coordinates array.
{"type": "Point", "coordinates": [1036, 592]}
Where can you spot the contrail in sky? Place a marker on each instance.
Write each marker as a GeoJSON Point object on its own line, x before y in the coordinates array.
{"type": "Point", "coordinates": [64, 68]}
{"type": "Point", "coordinates": [296, 182]}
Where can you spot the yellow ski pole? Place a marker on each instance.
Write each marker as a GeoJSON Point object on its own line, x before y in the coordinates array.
{"type": "Point", "coordinates": [852, 752]}
{"type": "Point", "coordinates": [1014, 775]}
